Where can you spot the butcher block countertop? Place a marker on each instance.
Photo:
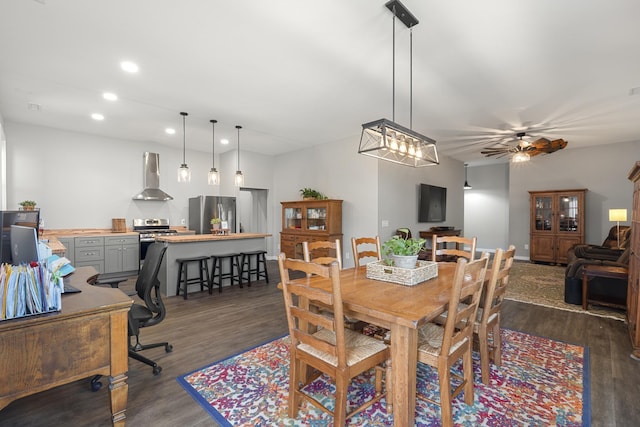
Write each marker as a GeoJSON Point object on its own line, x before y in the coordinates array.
{"type": "Point", "coordinates": [209, 237]}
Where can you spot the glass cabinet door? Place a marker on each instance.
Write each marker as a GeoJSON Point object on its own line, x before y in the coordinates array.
{"type": "Point", "coordinates": [293, 217]}
{"type": "Point", "coordinates": [543, 212]}
{"type": "Point", "coordinates": [568, 213]}
{"type": "Point", "coordinates": [317, 218]}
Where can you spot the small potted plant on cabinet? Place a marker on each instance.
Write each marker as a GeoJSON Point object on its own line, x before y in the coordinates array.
{"type": "Point", "coordinates": [311, 194]}
{"type": "Point", "coordinates": [403, 252]}
{"type": "Point", "coordinates": [28, 205]}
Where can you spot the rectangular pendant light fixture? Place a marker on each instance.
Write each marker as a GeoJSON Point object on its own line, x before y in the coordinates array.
{"type": "Point", "coordinates": [386, 140]}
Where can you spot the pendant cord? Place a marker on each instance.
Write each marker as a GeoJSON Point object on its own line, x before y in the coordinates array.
{"type": "Point", "coordinates": [411, 78]}
{"type": "Point", "coordinates": [393, 94]}
{"type": "Point", "coordinates": [213, 143]}
{"type": "Point", "coordinates": [184, 139]}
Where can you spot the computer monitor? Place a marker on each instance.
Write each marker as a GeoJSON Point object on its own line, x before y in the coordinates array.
{"type": "Point", "coordinates": [24, 245]}
{"type": "Point", "coordinates": [15, 217]}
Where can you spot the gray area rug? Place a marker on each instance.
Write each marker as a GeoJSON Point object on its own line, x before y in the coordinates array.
{"type": "Point", "coordinates": [544, 285]}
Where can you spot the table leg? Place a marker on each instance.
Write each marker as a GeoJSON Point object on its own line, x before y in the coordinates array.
{"type": "Point", "coordinates": [404, 354]}
{"type": "Point", "coordinates": [118, 387]}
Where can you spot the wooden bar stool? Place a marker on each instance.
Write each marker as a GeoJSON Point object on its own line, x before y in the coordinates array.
{"type": "Point", "coordinates": [217, 273]}
{"type": "Point", "coordinates": [258, 270]}
{"type": "Point", "coordinates": [183, 274]}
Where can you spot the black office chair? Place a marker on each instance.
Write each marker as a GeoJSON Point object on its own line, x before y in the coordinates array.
{"type": "Point", "coordinates": [153, 310]}
{"type": "Point", "coordinates": [149, 314]}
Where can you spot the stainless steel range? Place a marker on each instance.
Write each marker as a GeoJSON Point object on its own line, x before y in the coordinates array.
{"type": "Point", "coordinates": [149, 228]}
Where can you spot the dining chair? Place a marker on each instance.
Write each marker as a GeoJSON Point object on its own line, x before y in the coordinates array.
{"type": "Point", "coordinates": [320, 252]}
{"type": "Point", "coordinates": [440, 251]}
{"type": "Point", "coordinates": [369, 248]}
{"type": "Point", "coordinates": [487, 324]}
{"type": "Point", "coordinates": [322, 342]}
{"type": "Point", "coordinates": [441, 346]}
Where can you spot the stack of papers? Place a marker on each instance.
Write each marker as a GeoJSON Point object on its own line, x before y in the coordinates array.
{"type": "Point", "coordinates": [60, 265]}
{"type": "Point", "coordinates": [27, 290]}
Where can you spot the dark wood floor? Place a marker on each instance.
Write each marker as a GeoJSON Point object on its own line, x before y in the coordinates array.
{"type": "Point", "coordinates": [206, 328]}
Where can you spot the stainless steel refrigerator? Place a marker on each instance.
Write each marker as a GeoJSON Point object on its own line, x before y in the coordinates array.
{"type": "Point", "coordinates": [203, 208]}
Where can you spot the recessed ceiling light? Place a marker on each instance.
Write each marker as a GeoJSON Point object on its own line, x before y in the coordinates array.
{"type": "Point", "coordinates": [97, 116]}
{"type": "Point", "coordinates": [129, 67]}
{"type": "Point", "coordinates": [170, 131]}
{"type": "Point", "coordinates": [224, 141]}
{"type": "Point", "coordinates": [110, 96]}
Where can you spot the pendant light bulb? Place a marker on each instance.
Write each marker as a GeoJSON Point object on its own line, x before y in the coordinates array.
{"type": "Point", "coordinates": [184, 174]}
{"type": "Point", "coordinates": [239, 179]}
{"type": "Point", "coordinates": [214, 176]}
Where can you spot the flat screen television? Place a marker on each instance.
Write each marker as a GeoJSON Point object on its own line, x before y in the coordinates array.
{"type": "Point", "coordinates": [432, 204]}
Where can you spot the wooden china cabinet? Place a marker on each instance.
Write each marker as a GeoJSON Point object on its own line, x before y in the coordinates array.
{"type": "Point", "coordinates": [556, 224]}
{"type": "Point", "coordinates": [633, 294]}
{"type": "Point", "coordinates": [309, 220]}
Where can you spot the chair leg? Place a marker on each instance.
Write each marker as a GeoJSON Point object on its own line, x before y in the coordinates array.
{"type": "Point", "coordinates": [294, 383]}
{"type": "Point", "coordinates": [483, 338]}
{"type": "Point", "coordinates": [444, 378]}
{"type": "Point", "coordinates": [497, 344]}
{"type": "Point", "coordinates": [340, 409]}
{"type": "Point", "coordinates": [467, 368]}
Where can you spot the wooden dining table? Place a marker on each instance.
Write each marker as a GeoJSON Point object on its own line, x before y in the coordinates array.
{"type": "Point", "coordinates": [401, 309]}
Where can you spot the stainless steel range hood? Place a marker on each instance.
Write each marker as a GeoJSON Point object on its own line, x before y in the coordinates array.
{"type": "Point", "coordinates": [151, 179]}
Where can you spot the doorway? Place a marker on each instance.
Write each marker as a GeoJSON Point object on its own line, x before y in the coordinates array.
{"type": "Point", "coordinates": [252, 210]}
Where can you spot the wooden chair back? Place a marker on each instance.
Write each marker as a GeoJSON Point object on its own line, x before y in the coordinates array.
{"type": "Point", "coordinates": [497, 284]}
{"type": "Point", "coordinates": [303, 320]}
{"type": "Point", "coordinates": [371, 249]}
{"type": "Point", "coordinates": [468, 282]}
{"type": "Point", "coordinates": [321, 252]}
{"type": "Point", "coordinates": [440, 249]}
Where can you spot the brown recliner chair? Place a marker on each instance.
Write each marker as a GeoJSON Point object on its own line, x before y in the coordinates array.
{"type": "Point", "coordinates": [605, 254]}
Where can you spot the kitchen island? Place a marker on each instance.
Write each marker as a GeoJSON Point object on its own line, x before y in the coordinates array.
{"type": "Point", "coordinates": [202, 245]}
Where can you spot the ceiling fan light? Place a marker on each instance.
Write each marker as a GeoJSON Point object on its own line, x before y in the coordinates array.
{"type": "Point", "coordinates": [520, 157]}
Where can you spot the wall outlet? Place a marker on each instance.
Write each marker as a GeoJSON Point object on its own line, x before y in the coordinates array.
{"type": "Point", "coordinates": [526, 246]}
{"type": "Point", "coordinates": [347, 255]}
{"type": "Point", "coordinates": [183, 221]}
{"type": "Point", "coordinates": [385, 223]}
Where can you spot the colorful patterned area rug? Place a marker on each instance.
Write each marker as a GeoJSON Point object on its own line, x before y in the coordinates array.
{"type": "Point", "coordinates": [541, 382]}
{"type": "Point", "coordinates": [543, 285]}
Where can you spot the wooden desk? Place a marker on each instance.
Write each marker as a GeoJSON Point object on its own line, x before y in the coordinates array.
{"type": "Point", "coordinates": [402, 309]}
{"type": "Point", "coordinates": [88, 337]}
{"type": "Point", "coordinates": [606, 271]}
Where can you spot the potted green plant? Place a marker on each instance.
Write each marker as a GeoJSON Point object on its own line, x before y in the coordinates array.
{"type": "Point", "coordinates": [28, 205]}
{"type": "Point", "coordinates": [215, 223]}
{"type": "Point", "coordinates": [311, 194]}
{"type": "Point", "coordinates": [403, 252]}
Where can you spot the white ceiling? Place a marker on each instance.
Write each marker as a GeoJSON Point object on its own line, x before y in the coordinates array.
{"type": "Point", "coordinates": [296, 73]}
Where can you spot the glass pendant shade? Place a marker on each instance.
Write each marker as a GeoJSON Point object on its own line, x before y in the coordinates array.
{"type": "Point", "coordinates": [213, 177]}
{"type": "Point", "coordinates": [184, 174]}
{"type": "Point", "coordinates": [239, 179]}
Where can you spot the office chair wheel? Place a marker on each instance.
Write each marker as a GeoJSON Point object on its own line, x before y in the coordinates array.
{"type": "Point", "coordinates": [95, 383]}
{"type": "Point", "coordinates": [157, 370]}
{"type": "Point", "coordinates": [168, 348]}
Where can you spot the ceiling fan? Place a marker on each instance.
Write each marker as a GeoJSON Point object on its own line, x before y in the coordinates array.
{"type": "Point", "coordinates": [525, 150]}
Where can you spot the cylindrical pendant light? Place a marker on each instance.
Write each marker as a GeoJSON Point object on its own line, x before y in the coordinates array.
{"type": "Point", "coordinates": [184, 174]}
{"type": "Point", "coordinates": [466, 183]}
{"type": "Point", "coordinates": [214, 176]}
{"type": "Point", "coordinates": [239, 179]}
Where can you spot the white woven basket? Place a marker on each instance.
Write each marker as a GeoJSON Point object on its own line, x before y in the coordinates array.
{"type": "Point", "coordinates": [404, 276]}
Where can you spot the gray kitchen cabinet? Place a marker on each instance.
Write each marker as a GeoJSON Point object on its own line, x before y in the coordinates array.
{"type": "Point", "coordinates": [121, 253]}
{"type": "Point", "coordinates": [69, 244]}
{"type": "Point", "coordinates": [89, 252]}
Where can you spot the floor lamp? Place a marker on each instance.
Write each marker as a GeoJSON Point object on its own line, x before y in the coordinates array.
{"type": "Point", "coordinates": [618, 215]}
